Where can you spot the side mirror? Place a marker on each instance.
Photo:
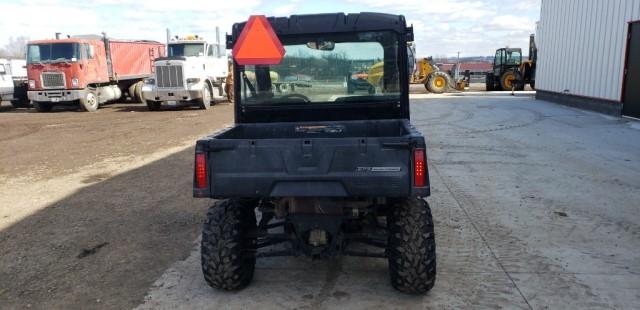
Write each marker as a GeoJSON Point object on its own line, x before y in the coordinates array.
{"type": "Point", "coordinates": [2, 69]}
{"type": "Point", "coordinates": [92, 51]}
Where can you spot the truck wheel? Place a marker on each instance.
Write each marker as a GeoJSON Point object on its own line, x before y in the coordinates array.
{"type": "Point", "coordinates": [90, 102]}
{"type": "Point", "coordinates": [412, 247]}
{"type": "Point", "coordinates": [19, 103]}
{"type": "Point", "coordinates": [138, 92]}
{"type": "Point", "coordinates": [489, 83]}
{"type": "Point", "coordinates": [153, 105]}
{"type": "Point", "coordinates": [437, 82]}
{"type": "Point", "coordinates": [205, 101]}
{"type": "Point", "coordinates": [227, 251]}
{"type": "Point", "coordinates": [42, 106]}
{"type": "Point", "coordinates": [509, 80]}
{"type": "Point", "coordinates": [132, 92]}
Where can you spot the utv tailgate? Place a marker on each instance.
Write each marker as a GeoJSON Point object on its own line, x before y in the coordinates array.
{"type": "Point", "coordinates": [328, 159]}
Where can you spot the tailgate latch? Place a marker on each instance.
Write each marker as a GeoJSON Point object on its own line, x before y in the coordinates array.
{"type": "Point", "coordinates": [307, 148]}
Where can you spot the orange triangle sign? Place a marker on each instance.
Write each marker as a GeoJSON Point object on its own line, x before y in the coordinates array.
{"type": "Point", "coordinates": [258, 44]}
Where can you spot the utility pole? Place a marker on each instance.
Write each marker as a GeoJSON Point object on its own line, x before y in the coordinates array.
{"type": "Point", "coordinates": [458, 67]}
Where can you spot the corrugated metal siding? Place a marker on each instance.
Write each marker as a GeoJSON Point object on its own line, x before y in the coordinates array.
{"type": "Point", "coordinates": [582, 45]}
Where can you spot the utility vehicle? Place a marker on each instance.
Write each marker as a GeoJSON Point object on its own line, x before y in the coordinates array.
{"type": "Point", "coordinates": [317, 170]}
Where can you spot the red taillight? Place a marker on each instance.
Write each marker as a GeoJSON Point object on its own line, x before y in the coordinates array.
{"type": "Point", "coordinates": [419, 168]}
{"type": "Point", "coordinates": [201, 171]}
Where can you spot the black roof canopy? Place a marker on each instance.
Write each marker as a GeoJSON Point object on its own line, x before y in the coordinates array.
{"type": "Point", "coordinates": [334, 23]}
{"type": "Point", "coordinates": [330, 23]}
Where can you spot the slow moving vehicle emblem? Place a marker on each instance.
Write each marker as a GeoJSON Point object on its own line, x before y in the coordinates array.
{"type": "Point", "coordinates": [258, 44]}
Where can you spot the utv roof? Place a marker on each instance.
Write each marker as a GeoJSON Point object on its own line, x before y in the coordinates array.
{"type": "Point", "coordinates": [329, 23]}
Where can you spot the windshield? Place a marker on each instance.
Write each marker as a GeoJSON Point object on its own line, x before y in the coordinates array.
{"type": "Point", "coordinates": [53, 52]}
{"type": "Point", "coordinates": [513, 58]}
{"type": "Point", "coordinates": [355, 67]}
{"type": "Point", "coordinates": [186, 50]}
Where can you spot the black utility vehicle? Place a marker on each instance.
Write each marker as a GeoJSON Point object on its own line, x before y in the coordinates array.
{"type": "Point", "coordinates": [318, 171]}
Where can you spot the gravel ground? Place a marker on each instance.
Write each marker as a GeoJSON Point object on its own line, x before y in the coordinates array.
{"type": "Point", "coordinates": [95, 206]}
{"type": "Point", "coordinates": [535, 207]}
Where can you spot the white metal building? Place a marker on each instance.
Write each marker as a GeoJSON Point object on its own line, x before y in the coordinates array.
{"type": "Point", "coordinates": [584, 49]}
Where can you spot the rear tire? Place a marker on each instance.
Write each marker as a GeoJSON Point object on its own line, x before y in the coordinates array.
{"type": "Point", "coordinates": [489, 82]}
{"type": "Point", "coordinates": [42, 106]}
{"type": "Point", "coordinates": [20, 103]}
{"type": "Point", "coordinates": [227, 252]}
{"type": "Point", "coordinates": [412, 247]}
{"type": "Point", "coordinates": [438, 82]}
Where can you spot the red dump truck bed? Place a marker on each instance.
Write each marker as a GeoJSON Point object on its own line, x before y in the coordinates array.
{"type": "Point", "coordinates": [134, 58]}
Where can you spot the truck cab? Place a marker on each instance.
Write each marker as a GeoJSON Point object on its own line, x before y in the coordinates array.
{"type": "Point", "coordinates": [194, 72]}
{"type": "Point", "coordinates": [327, 171]}
{"type": "Point", "coordinates": [6, 81]}
{"type": "Point", "coordinates": [13, 81]}
{"type": "Point", "coordinates": [60, 70]}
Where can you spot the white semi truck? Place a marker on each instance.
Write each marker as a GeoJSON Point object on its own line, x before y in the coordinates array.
{"type": "Point", "coordinates": [13, 82]}
{"type": "Point", "coordinates": [194, 72]}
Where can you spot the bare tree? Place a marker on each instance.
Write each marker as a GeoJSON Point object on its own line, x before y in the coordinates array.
{"type": "Point", "coordinates": [16, 48]}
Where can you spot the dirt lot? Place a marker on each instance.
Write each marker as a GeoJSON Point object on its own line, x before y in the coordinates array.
{"type": "Point", "coordinates": [535, 207]}
{"type": "Point", "coordinates": [95, 206]}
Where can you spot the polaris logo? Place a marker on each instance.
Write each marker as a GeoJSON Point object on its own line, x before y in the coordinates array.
{"type": "Point", "coordinates": [378, 169]}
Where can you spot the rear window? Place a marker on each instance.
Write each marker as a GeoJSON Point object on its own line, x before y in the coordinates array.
{"type": "Point", "coordinates": [335, 68]}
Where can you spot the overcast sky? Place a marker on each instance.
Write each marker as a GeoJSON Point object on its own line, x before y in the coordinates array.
{"type": "Point", "coordinates": [442, 27]}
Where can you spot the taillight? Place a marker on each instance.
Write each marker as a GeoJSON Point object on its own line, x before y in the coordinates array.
{"type": "Point", "coordinates": [201, 171]}
{"type": "Point", "coordinates": [419, 167]}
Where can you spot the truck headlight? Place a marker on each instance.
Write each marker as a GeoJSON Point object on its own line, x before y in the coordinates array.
{"type": "Point", "coordinates": [32, 83]}
{"type": "Point", "coordinates": [74, 82]}
{"type": "Point", "coordinates": [193, 80]}
{"type": "Point", "coordinates": [150, 81]}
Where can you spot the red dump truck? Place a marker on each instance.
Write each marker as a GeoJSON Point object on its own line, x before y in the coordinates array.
{"type": "Point", "coordinates": [88, 70]}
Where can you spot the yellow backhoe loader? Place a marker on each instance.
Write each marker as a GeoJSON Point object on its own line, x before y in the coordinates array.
{"type": "Point", "coordinates": [426, 72]}
{"type": "Point", "coordinates": [434, 79]}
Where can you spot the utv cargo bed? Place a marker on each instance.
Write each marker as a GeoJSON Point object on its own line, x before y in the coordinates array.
{"type": "Point", "coordinates": [314, 159]}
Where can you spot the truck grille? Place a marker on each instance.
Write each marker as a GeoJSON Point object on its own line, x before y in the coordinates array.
{"type": "Point", "coordinates": [52, 80]}
{"type": "Point", "coordinates": [169, 76]}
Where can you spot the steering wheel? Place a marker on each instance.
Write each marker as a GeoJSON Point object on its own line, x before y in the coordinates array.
{"type": "Point", "coordinates": [296, 96]}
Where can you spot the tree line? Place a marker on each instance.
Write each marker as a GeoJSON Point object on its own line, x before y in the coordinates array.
{"type": "Point", "coordinates": [15, 48]}
{"type": "Point", "coordinates": [327, 67]}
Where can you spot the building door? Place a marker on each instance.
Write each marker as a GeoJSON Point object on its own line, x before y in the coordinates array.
{"type": "Point", "coordinates": [631, 100]}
